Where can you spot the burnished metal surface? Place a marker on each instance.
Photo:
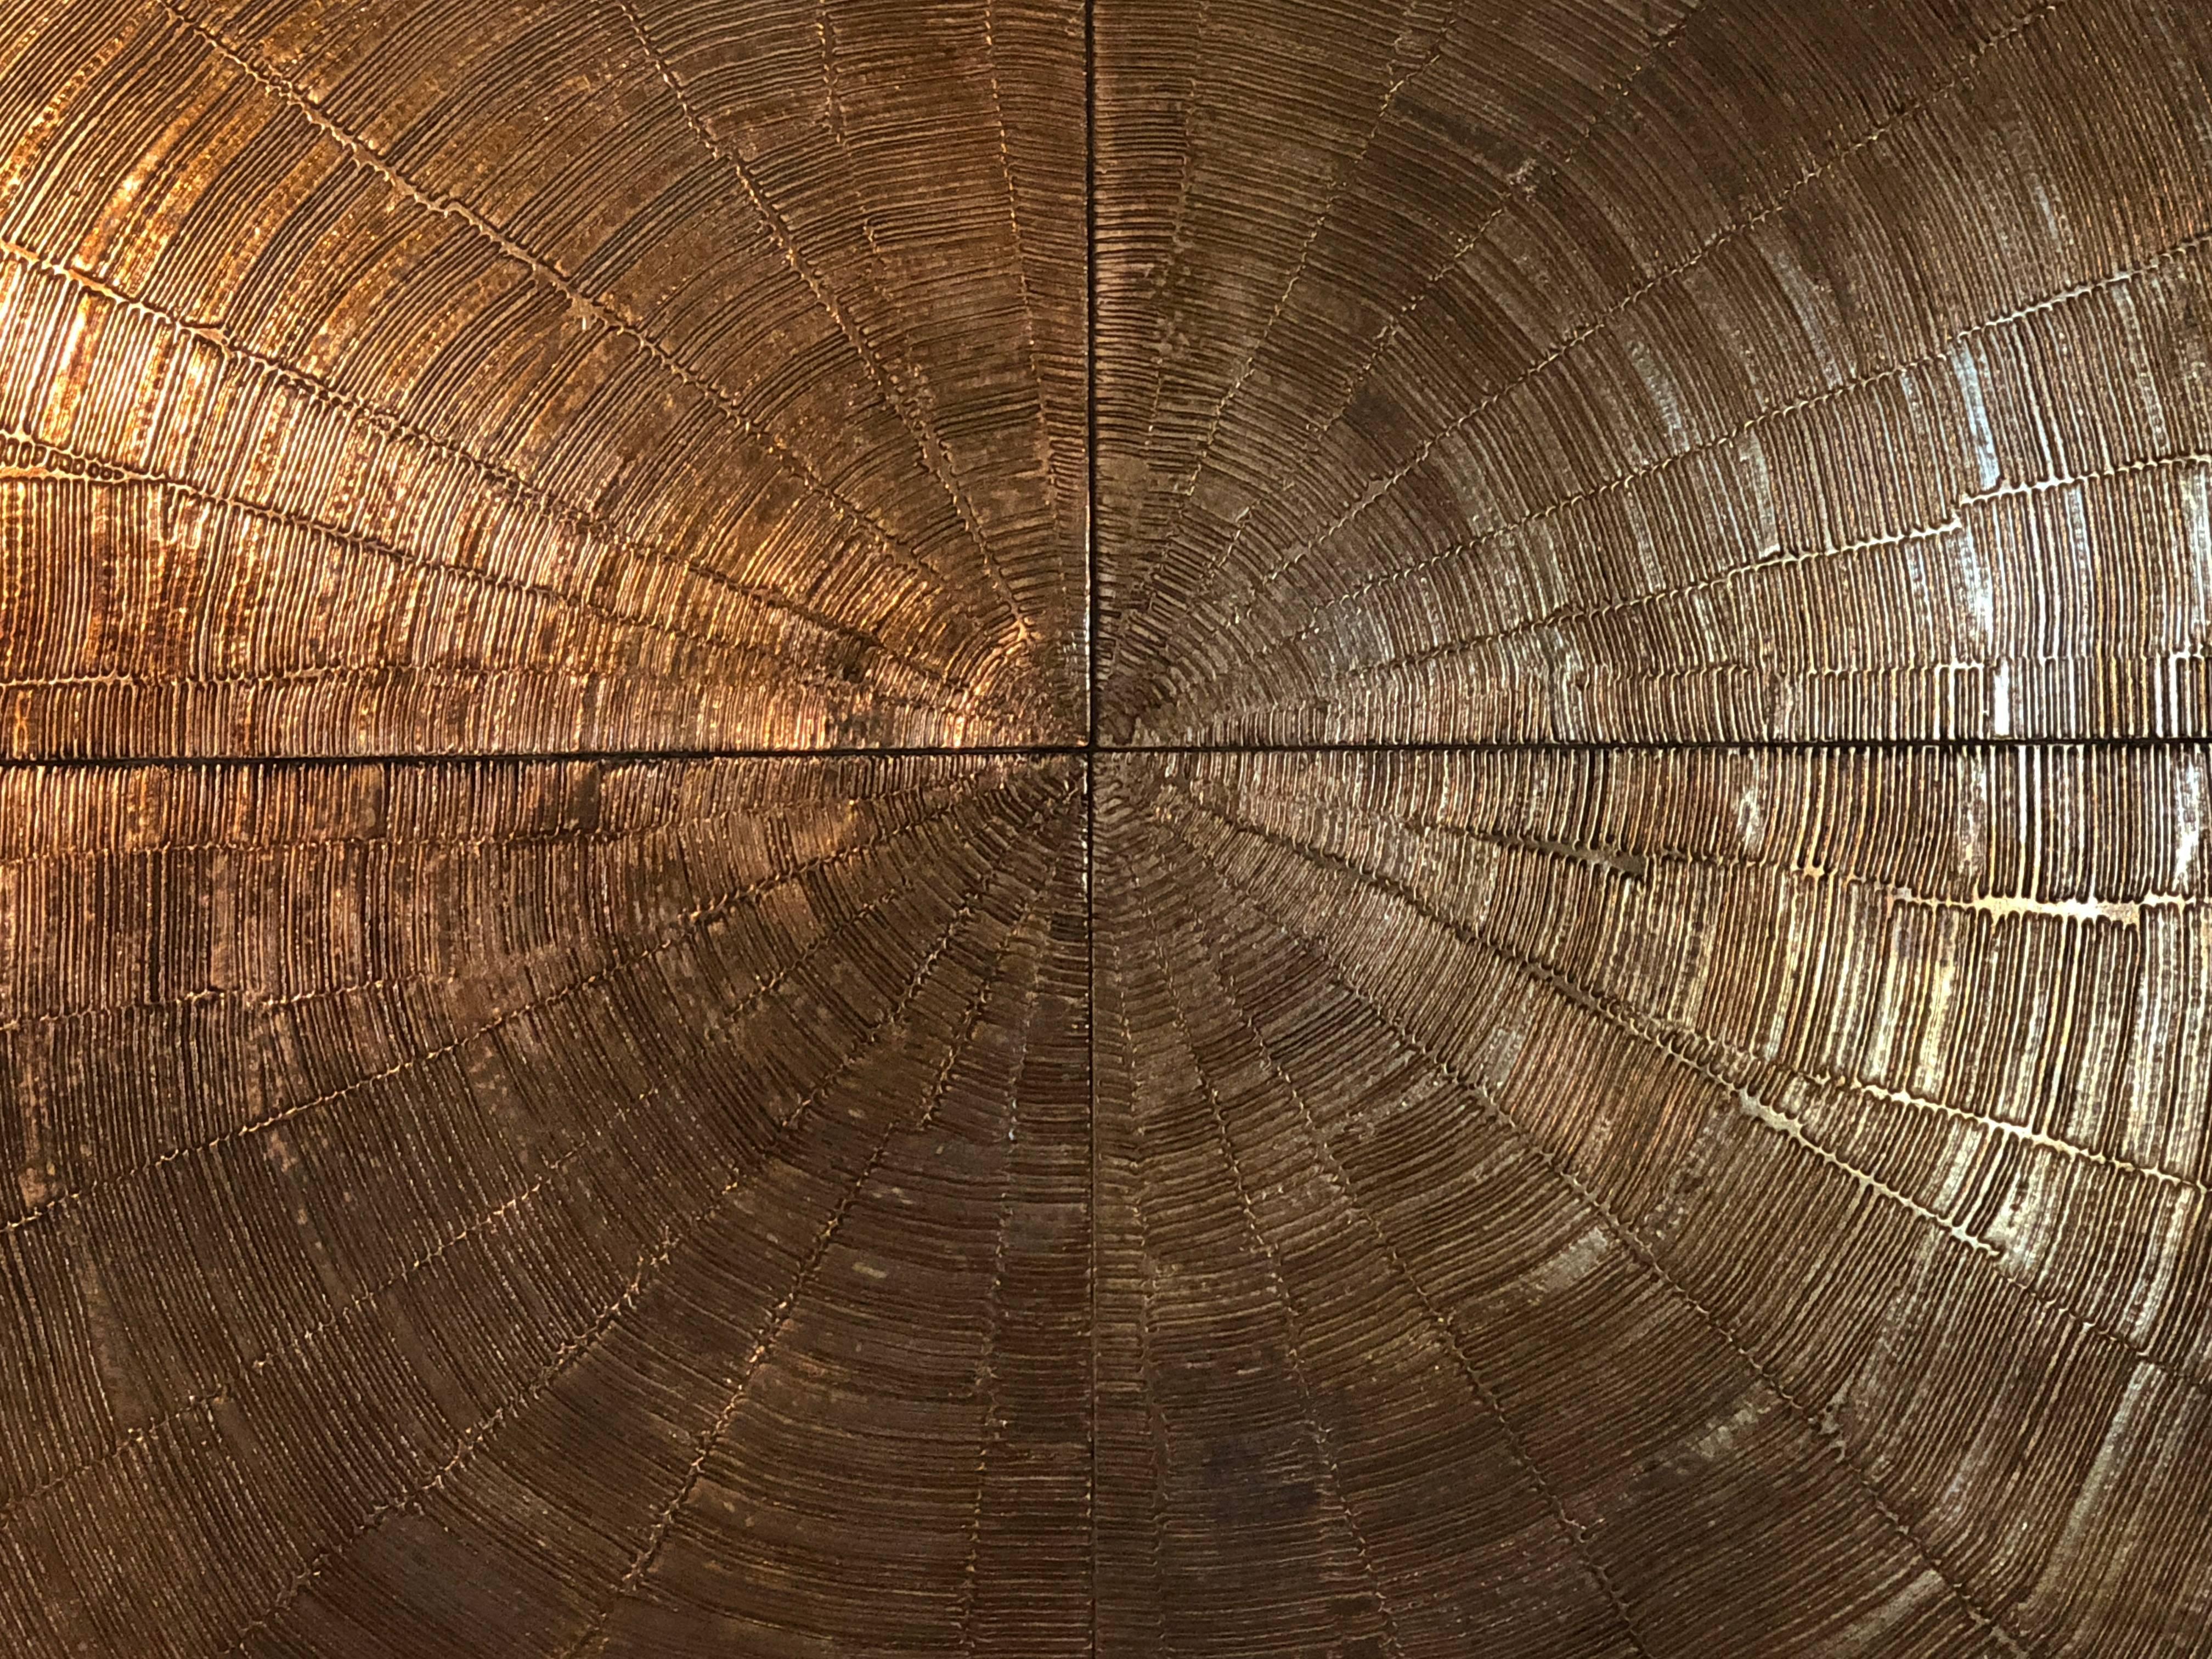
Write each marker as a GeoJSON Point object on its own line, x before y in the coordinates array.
{"type": "Point", "coordinates": [1633, 1202]}
{"type": "Point", "coordinates": [488, 376]}
{"type": "Point", "coordinates": [1661, 371]}
{"type": "Point", "coordinates": [1199, 827]}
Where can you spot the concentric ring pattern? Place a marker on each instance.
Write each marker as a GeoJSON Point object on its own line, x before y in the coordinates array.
{"type": "Point", "coordinates": [1214, 827]}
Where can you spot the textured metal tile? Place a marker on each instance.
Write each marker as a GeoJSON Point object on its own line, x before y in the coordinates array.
{"type": "Point", "coordinates": [1582, 1032]}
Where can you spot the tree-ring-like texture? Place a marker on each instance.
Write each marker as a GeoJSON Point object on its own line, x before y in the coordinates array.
{"type": "Point", "coordinates": [1175, 826]}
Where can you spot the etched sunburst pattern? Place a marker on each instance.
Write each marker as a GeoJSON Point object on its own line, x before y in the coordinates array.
{"type": "Point", "coordinates": [1175, 826]}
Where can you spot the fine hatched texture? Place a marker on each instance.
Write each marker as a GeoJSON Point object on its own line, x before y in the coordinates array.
{"type": "Point", "coordinates": [1167, 827]}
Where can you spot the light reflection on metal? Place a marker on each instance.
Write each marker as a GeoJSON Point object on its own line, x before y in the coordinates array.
{"type": "Point", "coordinates": [1584, 1037]}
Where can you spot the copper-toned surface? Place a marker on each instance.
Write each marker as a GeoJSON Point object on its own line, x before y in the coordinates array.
{"type": "Point", "coordinates": [1206, 827]}
{"type": "Point", "coordinates": [494, 1208]}
{"type": "Point", "coordinates": [483, 376]}
{"type": "Point", "coordinates": [1626, 1202]}
{"type": "Point", "coordinates": [1665, 370]}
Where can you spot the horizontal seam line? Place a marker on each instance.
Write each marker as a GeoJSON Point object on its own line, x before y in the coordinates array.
{"type": "Point", "coordinates": [1045, 751]}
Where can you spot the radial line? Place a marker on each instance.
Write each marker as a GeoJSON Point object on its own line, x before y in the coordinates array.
{"type": "Point", "coordinates": [1633, 1244]}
